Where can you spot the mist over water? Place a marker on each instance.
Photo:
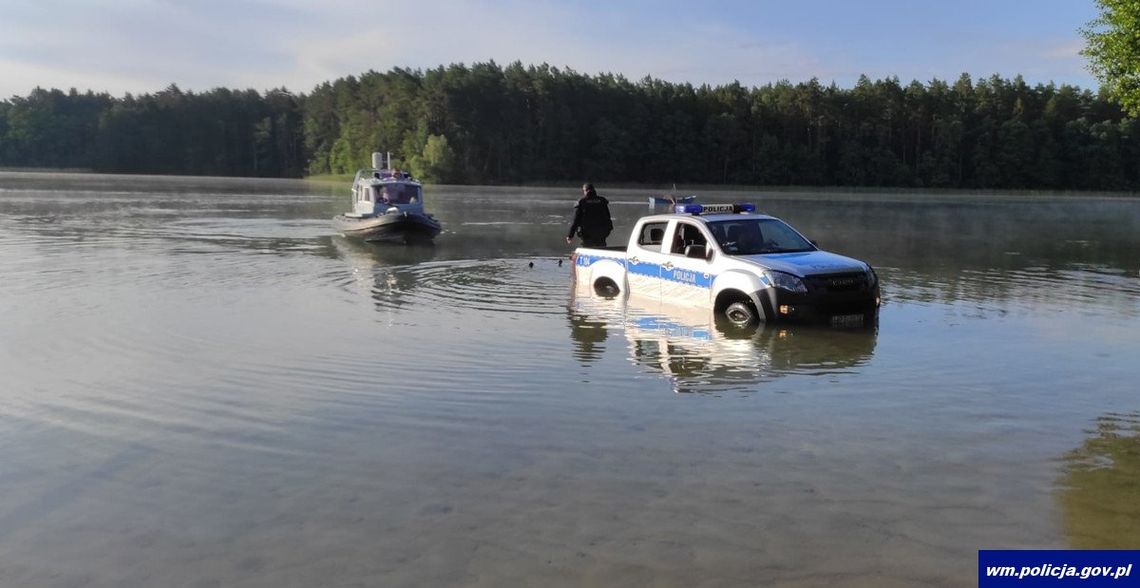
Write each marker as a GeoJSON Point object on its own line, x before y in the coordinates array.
{"type": "Point", "coordinates": [202, 385]}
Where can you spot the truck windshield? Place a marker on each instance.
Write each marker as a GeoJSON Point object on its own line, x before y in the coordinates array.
{"type": "Point", "coordinates": [751, 236]}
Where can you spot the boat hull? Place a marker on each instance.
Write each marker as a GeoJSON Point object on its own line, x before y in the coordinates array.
{"type": "Point", "coordinates": [665, 201]}
{"type": "Point", "coordinates": [402, 227]}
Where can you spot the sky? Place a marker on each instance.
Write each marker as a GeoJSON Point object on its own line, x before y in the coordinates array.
{"type": "Point", "coordinates": [137, 46]}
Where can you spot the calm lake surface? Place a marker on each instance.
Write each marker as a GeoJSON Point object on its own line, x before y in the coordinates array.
{"type": "Point", "coordinates": [202, 385]}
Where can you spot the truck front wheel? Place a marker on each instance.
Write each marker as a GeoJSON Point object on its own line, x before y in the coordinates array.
{"type": "Point", "coordinates": [741, 314]}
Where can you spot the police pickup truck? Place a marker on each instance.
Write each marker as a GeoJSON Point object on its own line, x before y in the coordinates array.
{"type": "Point", "coordinates": [745, 265]}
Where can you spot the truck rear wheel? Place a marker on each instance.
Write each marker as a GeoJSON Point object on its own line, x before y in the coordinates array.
{"type": "Point", "coordinates": [606, 288]}
{"type": "Point", "coordinates": [741, 314]}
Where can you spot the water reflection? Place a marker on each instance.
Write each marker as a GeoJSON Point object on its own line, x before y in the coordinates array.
{"type": "Point", "coordinates": [1100, 495]}
{"type": "Point", "coordinates": [465, 287]}
{"type": "Point", "coordinates": [227, 373]}
{"type": "Point", "coordinates": [700, 353]}
{"type": "Point", "coordinates": [382, 269]}
{"type": "Point", "coordinates": [588, 334]}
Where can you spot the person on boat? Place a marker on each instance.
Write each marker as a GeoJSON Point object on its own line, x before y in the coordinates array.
{"type": "Point", "coordinates": [592, 220]}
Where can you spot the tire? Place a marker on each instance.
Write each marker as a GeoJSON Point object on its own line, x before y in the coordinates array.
{"type": "Point", "coordinates": [606, 288]}
{"type": "Point", "coordinates": [741, 314]}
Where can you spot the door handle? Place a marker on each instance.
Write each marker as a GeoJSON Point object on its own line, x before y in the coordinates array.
{"type": "Point", "coordinates": [667, 265]}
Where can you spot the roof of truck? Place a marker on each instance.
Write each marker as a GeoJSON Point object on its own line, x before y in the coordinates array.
{"type": "Point", "coordinates": [705, 217]}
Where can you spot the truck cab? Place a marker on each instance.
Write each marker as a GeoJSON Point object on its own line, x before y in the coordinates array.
{"type": "Point", "coordinates": [748, 266]}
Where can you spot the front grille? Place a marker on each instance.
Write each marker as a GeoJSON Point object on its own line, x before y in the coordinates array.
{"type": "Point", "coordinates": [846, 282]}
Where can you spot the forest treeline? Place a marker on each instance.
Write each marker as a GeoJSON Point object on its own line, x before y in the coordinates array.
{"type": "Point", "coordinates": [488, 124]}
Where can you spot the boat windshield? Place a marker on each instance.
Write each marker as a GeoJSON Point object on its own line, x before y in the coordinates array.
{"type": "Point", "coordinates": [751, 236]}
{"type": "Point", "coordinates": [400, 194]}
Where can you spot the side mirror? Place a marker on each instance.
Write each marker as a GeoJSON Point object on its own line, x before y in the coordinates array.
{"type": "Point", "coordinates": [697, 251]}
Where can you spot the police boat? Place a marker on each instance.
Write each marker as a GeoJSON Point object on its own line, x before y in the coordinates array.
{"type": "Point", "coordinates": [387, 206]}
{"type": "Point", "coordinates": [671, 199]}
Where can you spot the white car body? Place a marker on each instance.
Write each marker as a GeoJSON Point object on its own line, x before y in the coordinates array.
{"type": "Point", "coordinates": [805, 283]}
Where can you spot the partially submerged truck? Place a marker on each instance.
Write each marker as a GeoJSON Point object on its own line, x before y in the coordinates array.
{"type": "Point", "coordinates": [748, 266]}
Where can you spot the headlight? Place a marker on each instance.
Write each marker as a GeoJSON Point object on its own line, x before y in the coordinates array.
{"type": "Point", "coordinates": [787, 282]}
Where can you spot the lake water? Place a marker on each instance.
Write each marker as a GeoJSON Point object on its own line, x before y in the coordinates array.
{"type": "Point", "coordinates": [202, 385]}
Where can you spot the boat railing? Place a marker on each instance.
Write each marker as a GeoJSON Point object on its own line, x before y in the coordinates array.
{"type": "Point", "coordinates": [384, 174]}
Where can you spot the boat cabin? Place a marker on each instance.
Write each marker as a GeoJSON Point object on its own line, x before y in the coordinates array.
{"type": "Point", "coordinates": [376, 190]}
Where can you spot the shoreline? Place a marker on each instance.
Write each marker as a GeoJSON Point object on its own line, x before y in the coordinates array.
{"type": "Point", "coordinates": [645, 187]}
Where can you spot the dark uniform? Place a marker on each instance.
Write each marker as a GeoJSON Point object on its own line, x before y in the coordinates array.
{"type": "Point", "coordinates": [592, 220]}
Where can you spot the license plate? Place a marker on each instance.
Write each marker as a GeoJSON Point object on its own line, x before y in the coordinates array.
{"type": "Point", "coordinates": [847, 320]}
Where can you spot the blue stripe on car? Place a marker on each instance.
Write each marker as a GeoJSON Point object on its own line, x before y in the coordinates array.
{"type": "Point", "coordinates": [690, 277]}
{"type": "Point", "coordinates": [654, 270]}
{"type": "Point", "coordinates": [651, 270]}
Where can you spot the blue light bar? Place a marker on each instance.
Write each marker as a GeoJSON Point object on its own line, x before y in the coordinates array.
{"type": "Point", "coordinates": [745, 207]}
{"type": "Point", "coordinates": [688, 209]}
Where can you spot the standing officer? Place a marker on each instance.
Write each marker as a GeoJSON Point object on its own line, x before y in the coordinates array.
{"type": "Point", "coordinates": [592, 220]}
